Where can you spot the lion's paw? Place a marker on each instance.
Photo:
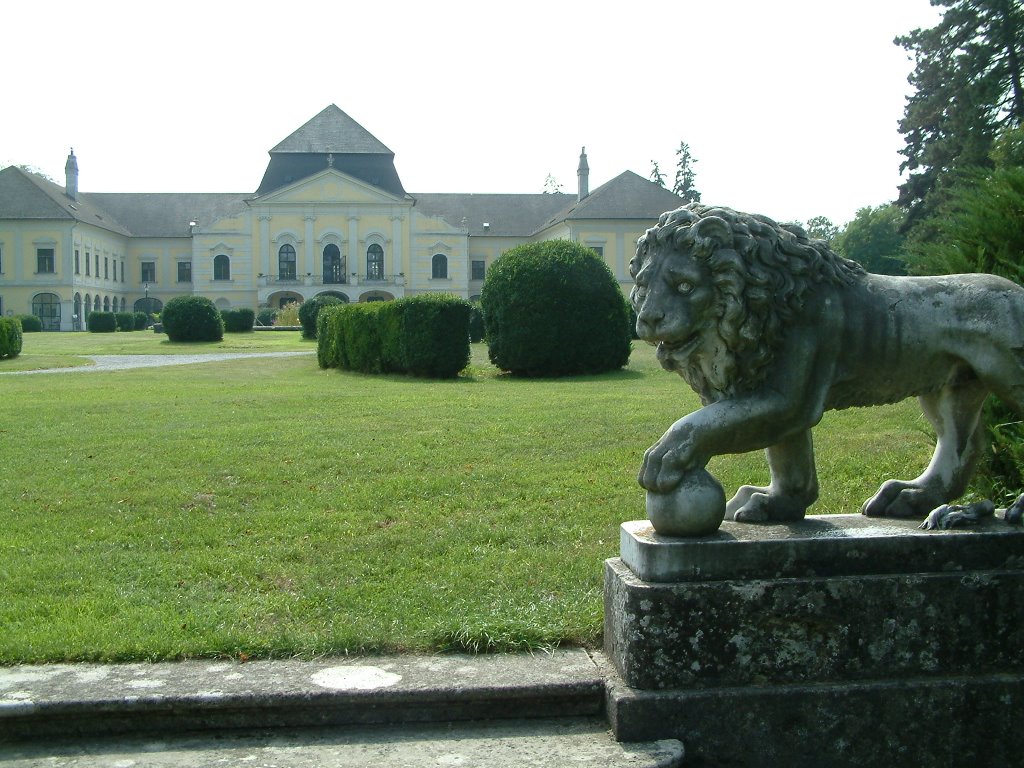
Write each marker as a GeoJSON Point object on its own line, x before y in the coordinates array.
{"type": "Point", "coordinates": [757, 505]}
{"type": "Point", "coordinates": [899, 498]}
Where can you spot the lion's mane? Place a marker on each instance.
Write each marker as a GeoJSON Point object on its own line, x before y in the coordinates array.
{"type": "Point", "coordinates": [760, 282]}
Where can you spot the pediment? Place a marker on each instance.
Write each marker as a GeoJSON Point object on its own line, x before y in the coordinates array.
{"type": "Point", "coordinates": [329, 186]}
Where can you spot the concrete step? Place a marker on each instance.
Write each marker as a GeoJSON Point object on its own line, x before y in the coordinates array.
{"type": "Point", "coordinates": [95, 699]}
{"type": "Point", "coordinates": [495, 744]}
{"type": "Point", "coordinates": [525, 710]}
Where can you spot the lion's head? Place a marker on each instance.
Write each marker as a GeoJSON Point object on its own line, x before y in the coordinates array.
{"type": "Point", "coordinates": [716, 288]}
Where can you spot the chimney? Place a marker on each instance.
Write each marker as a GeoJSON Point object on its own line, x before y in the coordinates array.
{"type": "Point", "coordinates": [583, 174]}
{"type": "Point", "coordinates": [71, 176]}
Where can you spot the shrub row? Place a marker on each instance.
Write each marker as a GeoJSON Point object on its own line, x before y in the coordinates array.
{"type": "Point", "coordinates": [10, 337]}
{"type": "Point", "coordinates": [101, 322]}
{"type": "Point", "coordinates": [192, 318]}
{"type": "Point", "coordinates": [419, 335]}
{"type": "Point", "coordinates": [30, 323]}
{"type": "Point", "coordinates": [238, 320]}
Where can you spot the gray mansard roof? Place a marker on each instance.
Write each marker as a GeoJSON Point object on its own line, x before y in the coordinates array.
{"type": "Point", "coordinates": [332, 130]}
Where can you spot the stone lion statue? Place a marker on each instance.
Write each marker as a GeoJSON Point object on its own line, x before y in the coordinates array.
{"type": "Point", "coordinates": [772, 329]}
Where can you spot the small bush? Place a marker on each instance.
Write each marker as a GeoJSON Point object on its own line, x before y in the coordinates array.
{"type": "Point", "coordinates": [266, 316]}
{"type": "Point", "coordinates": [192, 318]}
{"type": "Point", "coordinates": [10, 337]}
{"type": "Point", "coordinates": [476, 322]}
{"type": "Point", "coordinates": [141, 320]}
{"type": "Point", "coordinates": [125, 321]}
{"type": "Point", "coordinates": [238, 320]}
{"type": "Point", "coordinates": [310, 309]}
{"type": "Point", "coordinates": [434, 335]}
{"type": "Point", "coordinates": [30, 323]}
{"type": "Point", "coordinates": [288, 314]}
{"type": "Point", "coordinates": [554, 308]}
{"type": "Point", "coordinates": [102, 322]}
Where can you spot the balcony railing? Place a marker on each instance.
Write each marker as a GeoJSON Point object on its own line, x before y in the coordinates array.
{"type": "Point", "coordinates": [349, 279]}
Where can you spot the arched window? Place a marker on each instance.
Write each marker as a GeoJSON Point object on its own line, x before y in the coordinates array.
{"type": "Point", "coordinates": [106, 303]}
{"type": "Point", "coordinates": [124, 304]}
{"type": "Point", "coordinates": [46, 306]}
{"type": "Point", "coordinates": [221, 267]}
{"type": "Point", "coordinates": [374, 262]}
{"type": "Point", "coordinates": [88, 306]}
{"type": "Point", "coordinates": [439, 267]}
{"type": "Point", "coordinates": [96, 304]}
{"type": "Point", "coordinates": [334, 264]}
{"type": "Point", "coordinates": [78, 311]}
{"type": "Point", "coordinates": [286, 262]}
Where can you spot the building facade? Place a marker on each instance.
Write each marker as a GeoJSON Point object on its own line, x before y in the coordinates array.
{"type": "Point", "coordinates": [330, 217]}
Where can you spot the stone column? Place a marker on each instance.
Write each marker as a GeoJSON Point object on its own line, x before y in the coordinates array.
{"type": "Point", "coordinates": [310, 256]}
{"type": "Point", "coordinates": [265, 244]}
{"type": "Point", "coordinates": [355, 261]}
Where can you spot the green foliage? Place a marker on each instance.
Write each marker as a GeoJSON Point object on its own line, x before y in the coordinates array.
{"type": "Point", "coordinates": [980, 229]}
{"type": "Point", "coordinates": [125, 321]}
{"type": "Point", "coordinates": [266, 316]}
{"type": "Point", "coordinates": [30, 323]}
{"type": "Point", "coordinates": [1000, 476]}
{"type": "Point", "coordinates": [192, 318]}
{"type": "Point", "coordinates": [425, 336]}
{"type": "Point", "coordinates": [822, 228]}
{"type": "Point", "coordinates": [656, 175]}
{"type": "Point", "coordinates": [873, 239]}
{"type": "Point", "coordinates": [102, 322]}
{"type": "Point", "coordinates": [238, 320]}
{"type": "Point", "coordinates": [288, 314]}
{"type": "Point", "coordinates": [967, 81]}
{"type": "Point", "coordinates": [141, 320]}
{"type": "Point", "coordinates": [476, 322]}
{"type": "Point", "coordinates": [10, 337]}
{"type": "Point", "coordinates": [554, 308]}
{"type": "Point", "coordinates": [310, 309]}
{"type": "Point", "coordinates": [685, 175]}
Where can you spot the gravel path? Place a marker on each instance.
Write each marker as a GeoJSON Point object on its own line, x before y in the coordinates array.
{"type": "Point", "coordinates": [126, 362]}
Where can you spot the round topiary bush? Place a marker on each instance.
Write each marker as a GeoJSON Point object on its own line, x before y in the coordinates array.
{"type": "Point", "coordinates": [30, 323]}
{"type": "Point", "coordinates": [192, 318]}
{"type": "Point", "coordinates": [310, 309]}
{"type": "Point", "coordinates": [238, 320]}
{"type": "Point", "coordinates": [554, 308]}
{"type": "Point", "coordinates": [10, 337]}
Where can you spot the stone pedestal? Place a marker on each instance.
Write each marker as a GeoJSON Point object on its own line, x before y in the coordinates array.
{"type": "Point", "coordinates": [838, 640]}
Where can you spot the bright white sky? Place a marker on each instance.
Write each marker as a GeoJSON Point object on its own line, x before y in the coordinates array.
{"type": "Point", "coordinates": [790, 106]}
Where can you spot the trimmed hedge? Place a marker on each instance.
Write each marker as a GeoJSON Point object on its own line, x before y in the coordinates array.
{"type": "Point", "coordinates": [141, 320]}
{"type": "Point", "coordinates": [101, 322]}
{"type": "Point", "coordinates": [192, 318]}
{"type": "Point", "coordinates": [266, 316]}
{"type": "Point", "coordinates": [238, 320]}
{"type": "Point", "coordinates": [10, 337]}
{"type": "Point", "coordinates": [554, 308]}
{"type": "Point", "coordinates": [420, 335]}
{"type": "Point", "coordinates": [309, 311]}
{"type": "Point", "coordinates": [30, 323]}
{"type": "Point", "coordinates": [125, 321]}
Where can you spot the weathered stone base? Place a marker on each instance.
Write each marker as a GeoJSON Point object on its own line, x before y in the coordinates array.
{"type": "Point", "coordinates": [834, 641]}
{"type": "Point", "coordinates": [947, 722]}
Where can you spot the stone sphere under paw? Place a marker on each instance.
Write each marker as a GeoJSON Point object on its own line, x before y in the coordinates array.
{"type": "Point", "coordinates": [695, 507]}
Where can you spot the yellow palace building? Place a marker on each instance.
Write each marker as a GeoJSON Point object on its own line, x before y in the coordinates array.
{"type": "Point", "coordinates": [330, 217]}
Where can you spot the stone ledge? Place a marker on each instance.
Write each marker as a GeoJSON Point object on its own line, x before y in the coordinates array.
{"type": "Point", "coordinates": [819, 545]}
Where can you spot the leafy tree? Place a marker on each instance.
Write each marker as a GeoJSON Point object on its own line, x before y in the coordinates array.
{"type": "Point", "coordinates": [656, 175]}
{"type": "Point", "coordinates": [685, 174]}
{"type": "Point", "coordinates": [873, 239]}
{"type": "Point", "coordinates": [551, 185]}
{"type": "Point", "coordinates": [968, 85]}
{"type": "Point", "coordinates": [822, 228]}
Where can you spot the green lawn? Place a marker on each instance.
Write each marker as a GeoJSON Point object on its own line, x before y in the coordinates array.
{"type": "Point", "coordinates": [270, 508]}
